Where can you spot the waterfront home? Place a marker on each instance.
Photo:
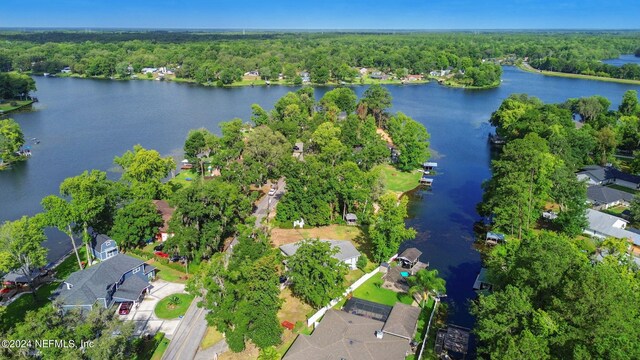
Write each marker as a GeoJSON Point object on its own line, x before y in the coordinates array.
{"type": "Point", "coordinates": [342, 335]}
{"type": "Point", "coordinates": [347, 253]}
{"type": "Point", "coordinates": [602, 197]}
{"type": "Point", "coordinates": [414, 77]}
{"type": "Point", "coordinates": [65, 70]}
{"type": "Point", "coordinates": [606, 175]}
{"type": "Point", "coordinates": [166, 211]}
{"type": "Point", "coordinates": [118, 279]}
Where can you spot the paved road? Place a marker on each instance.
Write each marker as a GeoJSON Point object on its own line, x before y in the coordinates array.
{"type": "Point", "coordinates": [268, 202]}
{"type": "Point", "coordinates": [189, 334]}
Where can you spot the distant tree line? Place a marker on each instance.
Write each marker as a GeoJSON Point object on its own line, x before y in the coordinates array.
{"type": "Point", "coordinates": [212, 57]}
{"type": "Point", "coordinates": [585, 67]}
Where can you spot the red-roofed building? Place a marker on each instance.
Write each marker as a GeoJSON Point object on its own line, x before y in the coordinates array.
{"type": "Point", "coordinates": [166, 211]}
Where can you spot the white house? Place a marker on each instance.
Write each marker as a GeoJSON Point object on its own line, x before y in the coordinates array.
{"type": "Point", "coordinates": [347, 253]}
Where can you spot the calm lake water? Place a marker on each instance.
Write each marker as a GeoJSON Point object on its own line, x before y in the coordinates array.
{"type": "Point", "coordinates": [623, 59]}
{"type": "Point", "coordinates": [83, 124]}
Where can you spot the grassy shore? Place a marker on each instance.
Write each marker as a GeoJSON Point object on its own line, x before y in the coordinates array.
{"type": "Point", "coordinates": [528, 68]}
{"type": "Point", "coordinates": [455, 84]}
{"type": "Point", "coordinates": [399, 181]}
{"type": "Point", "coordinates": [7, 107]}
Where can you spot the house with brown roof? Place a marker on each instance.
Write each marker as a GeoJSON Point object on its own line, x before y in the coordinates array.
{"type": "Point", "coordinates": [342, 335]}
{"type": "Point", "coordinates": [166, 211]}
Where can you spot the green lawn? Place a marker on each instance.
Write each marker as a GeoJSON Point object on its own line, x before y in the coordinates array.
{"type": "Point", "coordinates": [70, 264]}
{"type": "Point", "coordinates": [623, 188]}
{"type": "Point", "coordinates": [17, 310]}
{"type": "Point", "coordinates": [371, 290]}
{"type": "Point", "coordinates": [586, 243]}
{"type": "Point", "coordinates": [181, 178]}
{"type": "Point", "coordinates": [165, 310]}
{"type": "Point", "coordinates": [399, 181]}
{"type": "Point", "coordinates": [7, 107]}
{"type": "Point", "coordinates": [616, 210]}
{"type": "Point", "coordinates": [165, 272]}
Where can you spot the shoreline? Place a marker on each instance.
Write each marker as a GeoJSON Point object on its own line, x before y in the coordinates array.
{"type": "Point", "coordinates": [528, 68]}
{"type": "Point", "coordinates": [262, 83]}
{"type": "Point", "coordinates": [15, 108]}
{"type": "Point", "coordinates": [455, 85]}
{"type": "Point", "coordinates": [245, 83]}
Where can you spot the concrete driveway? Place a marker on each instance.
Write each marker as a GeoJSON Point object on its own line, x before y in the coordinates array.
{"type": "Point", "coordinates": [145, 320]}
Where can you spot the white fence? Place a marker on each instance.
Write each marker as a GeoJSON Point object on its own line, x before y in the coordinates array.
{"type": "Point", "coordinates": [315, 317]}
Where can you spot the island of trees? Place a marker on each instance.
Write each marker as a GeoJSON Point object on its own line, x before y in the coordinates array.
{"type": "Point", "coordinates": [340, 172]}
{"type": "Point", "coordinates": [457, 59]}
{"type": "Point", "coordinates": [557, 294]}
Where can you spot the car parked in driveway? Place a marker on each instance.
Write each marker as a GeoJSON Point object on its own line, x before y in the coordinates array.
{"type": "Point", "coordinates": [125, 308]}
{"type": "Point", "coordinates": [161, 254]}
{"type": "Point", "coordinates": [272, 191]}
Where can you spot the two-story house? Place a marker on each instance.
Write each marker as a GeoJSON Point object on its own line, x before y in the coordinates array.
{"type": "Point", "coordinates": [118, 278]}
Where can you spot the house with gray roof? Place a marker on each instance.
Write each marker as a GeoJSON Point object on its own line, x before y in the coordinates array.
{"type": "Point", "coordinates": [603, 197]}
{"type": "Point", "coordinates": [120, 278]}
{"type": "Point", "coordinates": [402, 321]}
{"type": "Point", "coordinates": [603, 225]}
{"type": "Point", "coordinates": [606, 175]}
{"type": "Point", "coordinates": [341, 335]}
{"type": "Point", "coordinates": [347, 253]}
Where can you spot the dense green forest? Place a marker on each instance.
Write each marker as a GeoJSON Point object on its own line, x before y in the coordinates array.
{"type": "Point", "coordinates": [553, 298]}
{"type": "Point", "coordinates": [331, 57]}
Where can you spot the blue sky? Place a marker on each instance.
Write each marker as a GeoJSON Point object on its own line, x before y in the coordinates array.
{"type": "Point", "coordinates": [324, 14]}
